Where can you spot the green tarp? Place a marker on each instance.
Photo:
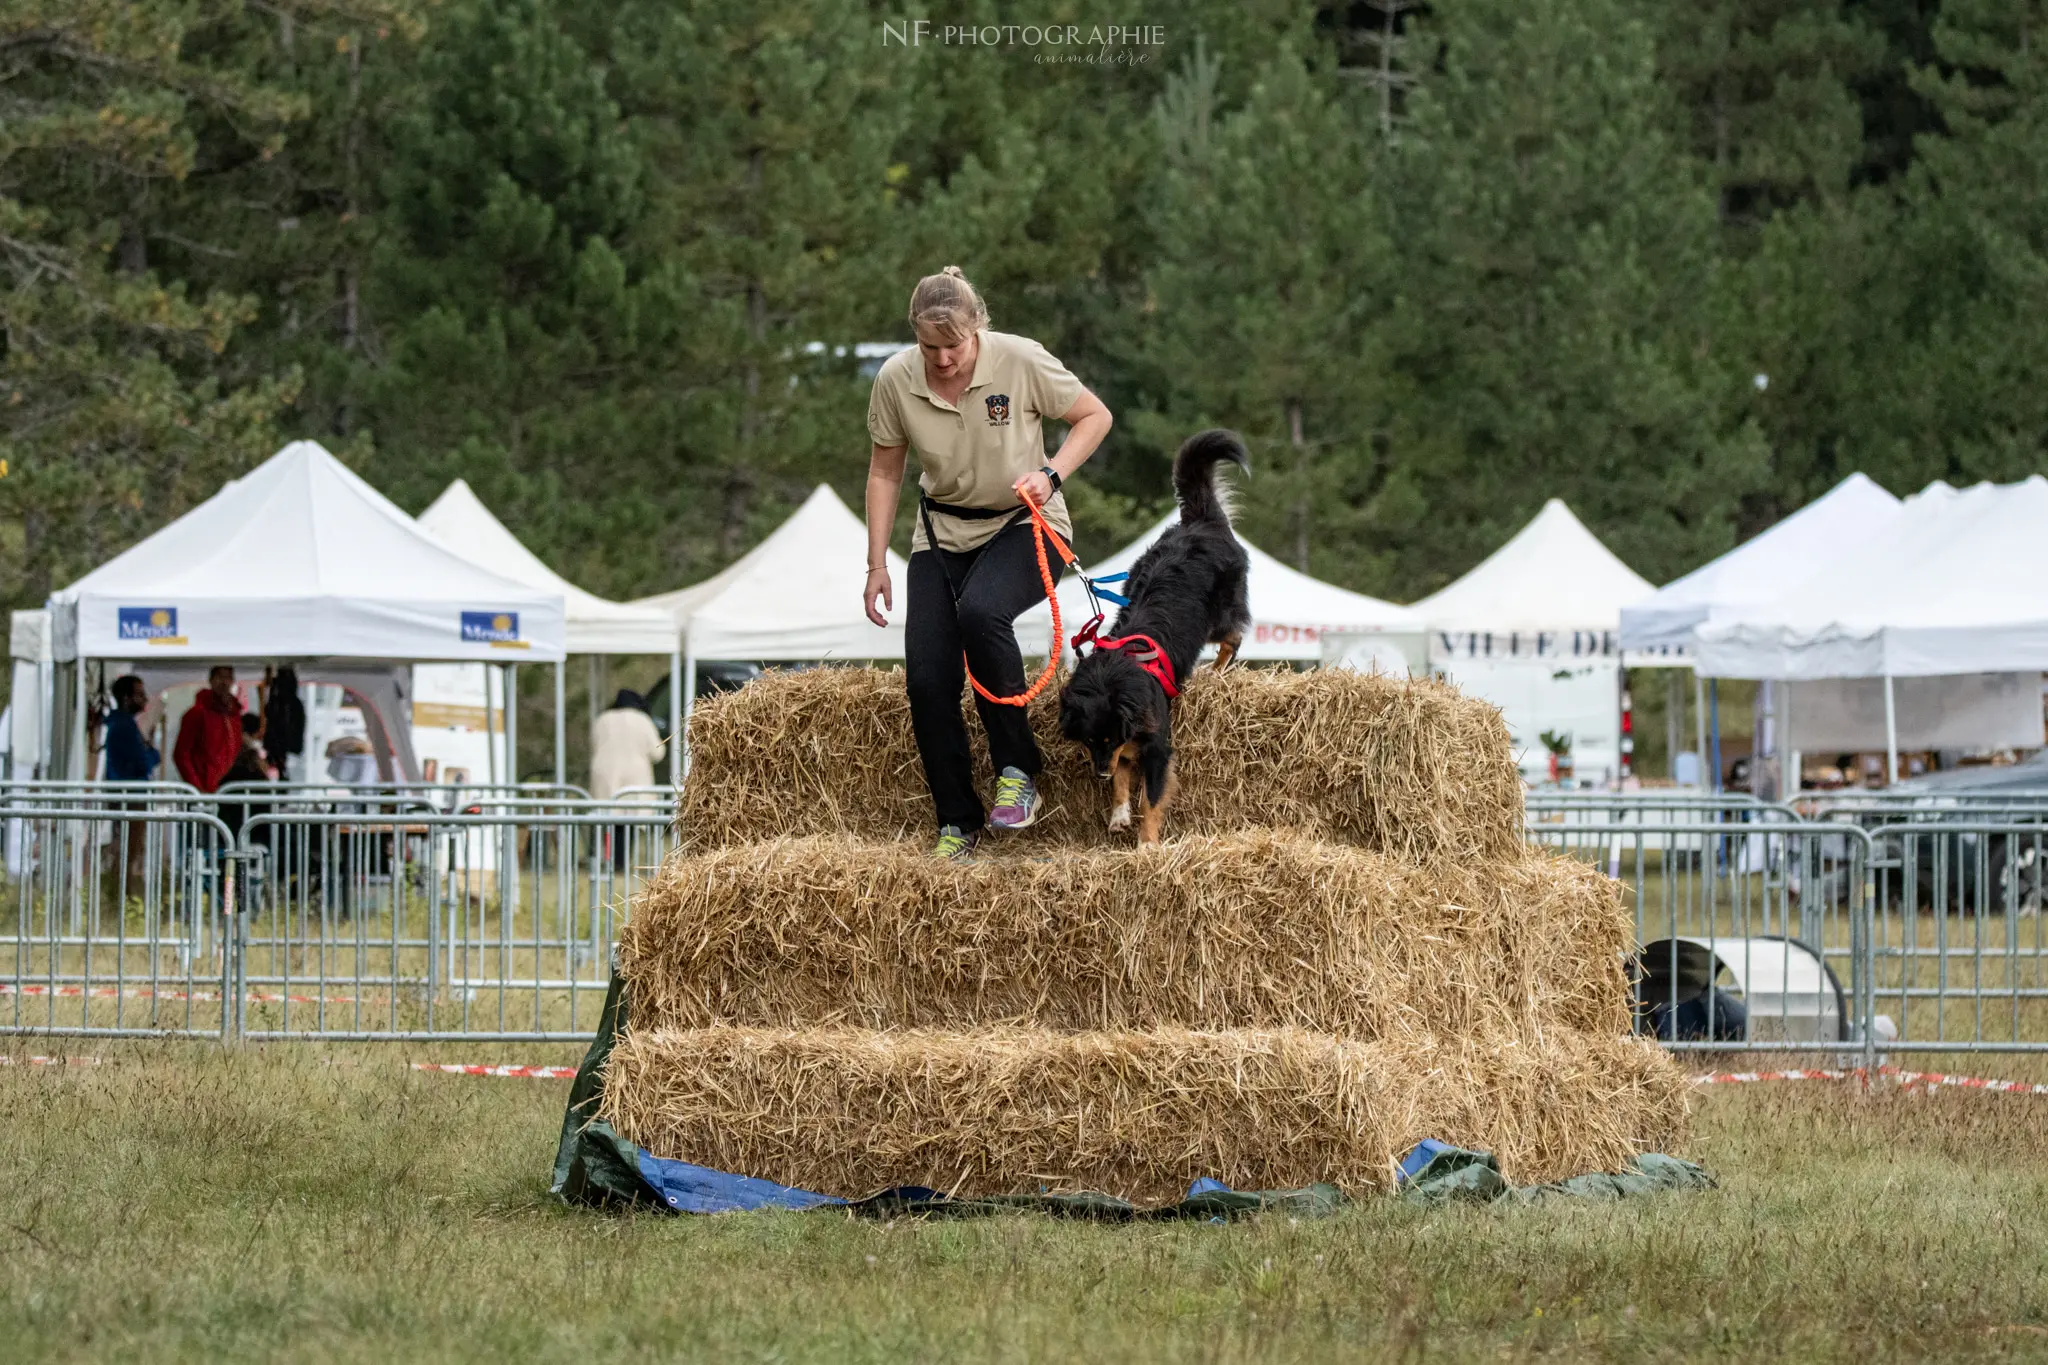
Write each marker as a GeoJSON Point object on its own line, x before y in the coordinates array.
{"type": "Point", "coordinates": [595, 1166]}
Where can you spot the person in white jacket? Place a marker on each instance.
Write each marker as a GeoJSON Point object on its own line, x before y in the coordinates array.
{"type": "Point", "coordinates": [624, 747]}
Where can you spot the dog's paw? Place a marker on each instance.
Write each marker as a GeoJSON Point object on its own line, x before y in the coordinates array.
{"type": "Point", "coordinates": [1120, 818]}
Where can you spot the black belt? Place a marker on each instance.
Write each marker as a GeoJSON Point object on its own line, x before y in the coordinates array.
{"type": "Point", "coordinates": [925, 508]}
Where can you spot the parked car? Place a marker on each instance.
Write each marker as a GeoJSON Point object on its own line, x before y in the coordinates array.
{"type": "Point", "coordinates": [1995, 870]}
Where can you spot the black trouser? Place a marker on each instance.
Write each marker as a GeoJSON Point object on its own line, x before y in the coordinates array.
{"type": "Point", "coordinates": [997, 583]}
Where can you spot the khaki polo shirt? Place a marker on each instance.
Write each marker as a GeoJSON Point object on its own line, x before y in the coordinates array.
{"type": "Point", "coordinates": [970, 455]}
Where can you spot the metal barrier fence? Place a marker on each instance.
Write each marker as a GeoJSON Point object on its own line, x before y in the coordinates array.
{"type": "Point", "coordinates": [274, 918]}
{"type": "Point", "coordinates": [303, 912]}
{"type": "Point", "coordinates": [121, 919]}
{"type": "Point", "coordinates": [1753, 930]}
{"type": "Point", "coordinates": [1960, 950]}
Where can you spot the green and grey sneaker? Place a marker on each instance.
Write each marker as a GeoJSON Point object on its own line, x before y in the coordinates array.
{"type": "Point", "coordinates": [1017, 800]}
{"type": "Point", "coordinates": [953, 846]}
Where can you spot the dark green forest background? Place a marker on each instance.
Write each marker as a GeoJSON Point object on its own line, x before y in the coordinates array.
{"type": "Point", "coordinates": [1683, 264]}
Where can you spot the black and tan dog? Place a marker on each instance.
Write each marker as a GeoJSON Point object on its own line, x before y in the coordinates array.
{"type": "Point", "coordinates": [1186, 591]}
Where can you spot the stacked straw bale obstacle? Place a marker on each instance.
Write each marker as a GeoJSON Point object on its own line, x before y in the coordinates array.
{"type": "Point", "coordinates": [1343, 947]}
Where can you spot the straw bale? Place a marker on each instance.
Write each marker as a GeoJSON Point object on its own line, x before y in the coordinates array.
{"type": "Point", "coordinates": [850, 1111]}
{"type": "Point", "coordinates": [1247, 930]}
{"type": "Point", "coordinates": [1410, 768]}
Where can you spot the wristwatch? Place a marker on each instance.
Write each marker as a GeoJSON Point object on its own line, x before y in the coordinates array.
{"type": "Point", "coordinates": [1051, 474]}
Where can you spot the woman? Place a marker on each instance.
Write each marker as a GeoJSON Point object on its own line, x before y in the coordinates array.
{"type": "Point", "coordinates": [974, 403]}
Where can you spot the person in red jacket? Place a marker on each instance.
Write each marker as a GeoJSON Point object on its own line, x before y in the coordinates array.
{"type": "Point", "coordinates": [210, 735]}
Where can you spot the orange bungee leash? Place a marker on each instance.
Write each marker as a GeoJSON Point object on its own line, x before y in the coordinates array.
{"type": "Point", "coordinates": [1041, 532]}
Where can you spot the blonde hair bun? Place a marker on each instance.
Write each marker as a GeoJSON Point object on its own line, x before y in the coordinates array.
{"type": "Point", "coordinates": [946, 307]}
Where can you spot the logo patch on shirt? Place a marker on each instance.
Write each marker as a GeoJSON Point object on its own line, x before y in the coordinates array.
{"type": "Point", "coordinates": [998, 409]}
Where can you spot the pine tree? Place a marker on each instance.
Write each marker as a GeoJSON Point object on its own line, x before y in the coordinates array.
{"type": "Point", "coordinates": [294, 224]}
{"type": "Point", "coordinates": [1270, 286]}
{"type": "Point", "coordinates": [1766, 93]}
{"type": "Point", "coordinates": [1558, 299]}
{"type": "Point", "coordinates": [1969, 398]}
{"type": "Point", "coordinates": [769, 132]}
{"type": "Point", "coordinates": [113, 410]}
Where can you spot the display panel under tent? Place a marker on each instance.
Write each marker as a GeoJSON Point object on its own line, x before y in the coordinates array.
{"type": "Point", "coordinates": [794, 598]}
{"type": "Point", "coordinates": [1535, 629]}
{"type": "Point", "coordinates": [592, 625]}
{"type": "Point", "coordinates": [299, 559]}
{"type": "Point", "coordinates": [1292, 613]}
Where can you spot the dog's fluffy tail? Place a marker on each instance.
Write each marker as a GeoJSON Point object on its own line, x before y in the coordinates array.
{"type": "Point", "coordinates": [1194, 475]}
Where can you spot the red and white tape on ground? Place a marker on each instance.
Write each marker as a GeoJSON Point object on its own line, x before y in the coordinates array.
{"type": "Point", "coordinates": [1745, 1077]}
{"type": "Point", "coordinates": [536, 1073]}
{"type": "Point", "coordinates": [1929, 1080]}
{"type": "Point", "coordinates": [1932, 1079]}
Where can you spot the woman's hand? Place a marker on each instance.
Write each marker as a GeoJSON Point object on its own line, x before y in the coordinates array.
{"type": "Point", "coordinates": [1034, 487]}
{"type": "Point", "coordinates": [879, 586]}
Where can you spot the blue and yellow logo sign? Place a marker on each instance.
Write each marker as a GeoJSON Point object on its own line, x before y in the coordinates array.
{"type": "Point", "coordinates": [148, 625]}
{"type": "Point", "coordinates": [498, 628]}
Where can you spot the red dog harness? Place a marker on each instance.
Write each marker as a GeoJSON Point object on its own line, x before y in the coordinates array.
{"type": "Point", "coordinates": [1153, 659]}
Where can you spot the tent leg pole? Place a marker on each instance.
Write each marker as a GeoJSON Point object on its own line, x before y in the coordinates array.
{"type": "Point", "coordinates": [492, 724]}
{"type": "Point", "coordinates": [1699, 719]}
{"type": "Point", "coordinates": [1790, 779]}
{"type": "Point", "coordinates": [1714, 731]}
{"type": "Point", "coordinates": [561, 722]}
{"type": "Point", "coordinates": [78, 762]}
{"type": "Point", "coordinates": [1763, 742]}
{"type": "Point", "coordinates": [1891, 732]}
{"type": "Point", "coordinates": [682, 698]}
{"type": "Point", "coordinates": [512, 725]}
{"type": "Point", "coordinates": [508, 838]}
{"type": "Point", "coordinates": [1674, 721]}
{"type": "Point", "coordinates": [593, 685]}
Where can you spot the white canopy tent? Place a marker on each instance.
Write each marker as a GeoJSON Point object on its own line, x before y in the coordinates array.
{"type": "Point", "coordinates": [1292, 613]}
{"type": "Point", "coordinates": [459, 520]}
{"type": "Point", "coordinates": [1757, 571]}
{"type": "Point", "coordinates": [298, 559]}
{"type": "Point", "coordinates": [1952, 585]}
{"type": "Point", "coordinates": [1534, 629]}
{"type": "Point", "coordinates": [1553, 591]}
{"type": "Point", "coordinates": [795, 596]}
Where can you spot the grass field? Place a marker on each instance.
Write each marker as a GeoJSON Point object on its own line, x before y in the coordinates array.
{"type": "Point", "coordinates": [182, 1201]}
